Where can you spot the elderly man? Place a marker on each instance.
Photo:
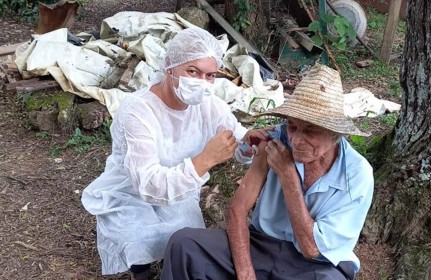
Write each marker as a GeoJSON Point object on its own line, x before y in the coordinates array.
{"type": "Point", "coordinates": [311, 192]}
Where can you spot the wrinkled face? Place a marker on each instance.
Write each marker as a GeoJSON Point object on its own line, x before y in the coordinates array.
{"type": "Point", "coordinates": [205, 68]}
{"type": "Point", "coordinates": [309, 142]}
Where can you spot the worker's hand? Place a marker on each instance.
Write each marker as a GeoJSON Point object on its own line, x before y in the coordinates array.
{"type": "Point", "coordinates": [221, 147]}
{"type": "Point", "coordinates": [253, 138]}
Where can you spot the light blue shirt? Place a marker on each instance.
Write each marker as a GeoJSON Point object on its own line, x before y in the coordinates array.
{"type": "Point", "coordinates": [338, 202]}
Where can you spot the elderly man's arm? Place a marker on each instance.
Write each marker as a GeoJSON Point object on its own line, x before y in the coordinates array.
{"type": "Point", "coordinates": [302, 223]}
{"type": "Point", "coordinates": [238, 210]}
{"type": "Point", "coordinates": [281, 161]}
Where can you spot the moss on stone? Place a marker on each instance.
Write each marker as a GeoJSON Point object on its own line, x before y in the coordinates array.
{"type": "Point", "coordinates": [47, 101]}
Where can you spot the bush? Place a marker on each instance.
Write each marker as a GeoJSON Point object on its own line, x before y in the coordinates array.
{"type": "Point", "coordinates": [25, 9]}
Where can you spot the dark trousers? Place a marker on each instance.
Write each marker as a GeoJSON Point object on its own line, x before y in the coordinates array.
{"type": "Point", "coordinates": [205, 254]}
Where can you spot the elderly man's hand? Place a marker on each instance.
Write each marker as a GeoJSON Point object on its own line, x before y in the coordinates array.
{"type": "Point", "coordinates": [279, 156]}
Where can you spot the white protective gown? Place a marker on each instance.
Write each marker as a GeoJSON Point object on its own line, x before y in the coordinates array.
{"type": "Point", "coordinates": [150, 188]}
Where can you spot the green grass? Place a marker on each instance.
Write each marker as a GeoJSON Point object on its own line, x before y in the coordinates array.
{"type": "Point", "coordinates": [42, 134]}
{"type": "Point", "coordinates": [389, 119]}
{"type": "Point", "coordinates": [226, 176]}
{"type": "Point", "coordinates": [379, 69]}
{"type": "Point", "coordinates": [384, 76]}
{"type": "Point", "coordinates": [394, 88]}
{"type": "Point", "coordinates": [376, 20]}
{"type": "Point", "coordinates": [402, 27]}
{"type": "Point", "coordinates": [81, 142]}
{"type": "Point", "coordinates": [267, 121]}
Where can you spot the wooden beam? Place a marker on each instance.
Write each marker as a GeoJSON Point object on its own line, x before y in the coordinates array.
{"type": "Point", "coordinates": [9, 74]}
{"type": "Point", "coordinates": [178, 5]}
{"type": "Point", "coordinates": [8, 49]}
{"type": "Point", "coordinates": [232, 32]}
{"type": "Point", "coordinates": [390, 30]}
{"type": "Point", "coordinates": [34, 84]}
{"type": "Point", "coordinates": [128, 73]}
{"type": "Point", "coordinates": [56, 16]}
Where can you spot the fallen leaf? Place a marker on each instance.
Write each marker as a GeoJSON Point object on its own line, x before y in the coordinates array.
{"type": "Point", "coordinates": [25, 207]}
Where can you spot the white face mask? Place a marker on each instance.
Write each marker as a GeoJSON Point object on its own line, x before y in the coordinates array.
{"type": "Point", "coordinates": [192, 91]}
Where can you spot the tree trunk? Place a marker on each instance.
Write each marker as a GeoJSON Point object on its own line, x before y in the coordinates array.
{"type": "Point", "coordinates": [413, 130]}
{"type": "Point", "coordinates": [257, 33]}
{"type": "Point", "coordinates": [400, 213]}
{"type": "Point", "coordinates": [229, 11]}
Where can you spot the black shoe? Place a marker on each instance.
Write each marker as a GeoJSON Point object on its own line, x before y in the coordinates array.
{"type": "Point", "coordinates": [141, 276]}
{"type": "Point", "coordinates": [140, 272]}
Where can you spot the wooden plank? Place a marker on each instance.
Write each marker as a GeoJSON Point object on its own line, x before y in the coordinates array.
{"type": "Point", "coordinates": [9, 49]}
{"type": "Point", "coordinates": [9, 74]}
{"type": "Point", "coordinates": [232, 32]}
{"type": "Point", "coordinates": [34, 84]}
{"type": "Point", "coordinates": [305, 41]}
{"type": "Point", "coordinates": [128, 73]}
{"type": "Point", "coordinates": [11, 66]}
{"type": "Point", "coordinates": [226, 74]}
{"type": "Point", "coordinates": [383, 6]}
{"type": "Point", "coordinates": [178, 5]}
{"type": "Point", "coordinates": [41, 85]}
{"type": "Point", "coordinates": [56, 16]}
{"type": "Point", "coordinates": [290, 41]}
{"type": "Point", "coordinates": [390, 30]}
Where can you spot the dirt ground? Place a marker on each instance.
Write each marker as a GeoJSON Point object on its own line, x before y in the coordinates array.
{"type": "Point", "coordinates": [45, 233]}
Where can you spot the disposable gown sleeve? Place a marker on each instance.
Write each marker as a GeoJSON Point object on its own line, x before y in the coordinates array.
{"type": "Point", "coordinates": [230, 122]}
{"type": "Point", "coordinates": [157, 184]}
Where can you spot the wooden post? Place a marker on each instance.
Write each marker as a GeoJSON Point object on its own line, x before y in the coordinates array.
{"type": "Point", "coordinates": [178, 5]}
{"type": "Point", "coordinates": [55, 16]}
{"type": "Point", "coordinates": [390, 30]}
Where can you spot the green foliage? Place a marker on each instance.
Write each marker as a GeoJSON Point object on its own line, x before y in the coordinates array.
{"type": "Point", "coordinates": [378, 71]}
{"type": "Point", "coordinates": [389, 119]}
{"type": "Point", "coordinates": [42, 134]}
{"type": "Point", "coordinates": [376, 20]}
{"type": "Point", "coordinates": [25, 97]}
{"type": "Point", "coordinates": [377, 24]}
{"type": "Point", "coordinates": [367, 147]}
{"type": "Point", "coordinates": [226, 176]}
{"type": "Point", "coordinates": [81, 143]}
{"type": "Point", "coordinates": [240, 19]}
{"type": "Point", "coordinates": [267, 121]}
{"type": "Point", "coordinates": [25, 9]}
{"type": "Point", "coordinates": [364, 124]}
{"type": "Point", "coordinates": [402, 27]}
{"type": "Point", "coordinates": [359, 143]}
{"type": "Point", "coordinates": [394, 88]}
{"type": "Point", "coordinates": [106, 133]}
{"type": "Point", "coordinates": [344, 31]}
{"type": "Point", "coordinates": [270, 104]}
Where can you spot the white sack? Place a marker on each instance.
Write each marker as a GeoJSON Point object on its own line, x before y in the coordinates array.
{"type": "Point", "coordinates": [91, 71]}
{"type": "Point", "coordinates": [361, 102]}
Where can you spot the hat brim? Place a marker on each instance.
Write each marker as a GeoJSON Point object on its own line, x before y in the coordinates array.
{"type": "Point", "coordinates": [336, 123]}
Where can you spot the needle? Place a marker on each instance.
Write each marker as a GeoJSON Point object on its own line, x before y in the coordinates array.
{"type": "Point", "coordinates": [244, 146]}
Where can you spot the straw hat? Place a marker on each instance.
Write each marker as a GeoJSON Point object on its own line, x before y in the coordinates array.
{"type": "Point", "coordinates": [318, 99]}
